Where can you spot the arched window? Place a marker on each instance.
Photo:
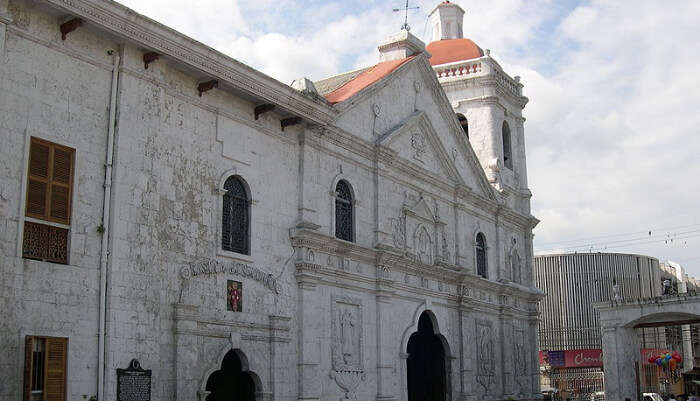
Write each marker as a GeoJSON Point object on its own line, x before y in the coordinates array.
{"type": "Point", "coordinates": [515, 268]}
{"type": "Point", "coordinates": [343, 212]}
{"type": "Point", "coordinates": [481, 255]}
{"type": "Point", "coordinates": [464, 123]}
{"type": "Point", "coordinates": [507, 153]}
{"type": "Point", "coordinates": [235, 219]}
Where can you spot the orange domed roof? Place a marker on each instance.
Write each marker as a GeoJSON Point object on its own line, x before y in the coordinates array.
{"type": "Point", "coordinates": [451, 50]}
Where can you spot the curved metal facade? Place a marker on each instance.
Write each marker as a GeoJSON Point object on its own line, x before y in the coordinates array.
{"type": "Point", "coordinates": [573, 282]}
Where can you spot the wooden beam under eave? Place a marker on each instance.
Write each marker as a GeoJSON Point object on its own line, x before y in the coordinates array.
{"type": "Point", "coordinates": [148, 58]}
{"type": "Point", "coordinates": [207, 86]}
{"type": "Point", "coordinates": [69, 26]}
{"type": "Point", "coordinates": [263, 108]}
{"type": "Point", "coordinates": [290, 121]}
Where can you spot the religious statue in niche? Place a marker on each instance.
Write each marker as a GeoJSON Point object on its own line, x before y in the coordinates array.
{"type": "Point", "coordinates": [234, 297]}
{"type": "Point", "coordinates": [423, 246]}
{"type": "Point", "coordinates": [347, 334]}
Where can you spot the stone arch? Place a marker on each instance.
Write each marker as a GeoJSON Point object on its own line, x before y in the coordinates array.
{"type": "Point", "coordinates": [221, 191]}
{"type": "Point", "coordinates": [424, 309]}
{"type": "Point", "coordinates": [202, 393]}
{"type": "Point", "coordinates": [332, 198]}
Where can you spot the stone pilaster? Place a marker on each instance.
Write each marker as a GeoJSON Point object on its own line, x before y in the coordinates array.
{"type": "Point", "coordinates": [279, 353]}
{"type": "Point", "coordinates": [4, 20]}
{"type": "Point", "coordinates": [307, 216]}
{"type": "Point", "coordinates": [466, 354]}
{"type": "Point", "coordinates": [534, 362]}
{"type": "Point", "coordinates": [506, 354]}
{"type": "Point", "coordinates": [386, 338]}
{"type": "Point", "coordinates": [187, 352]}
{"type": "Point", "coordinates": [309, 357]}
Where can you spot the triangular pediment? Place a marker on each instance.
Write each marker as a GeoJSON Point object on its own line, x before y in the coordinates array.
{"type": "Point", "coordinates": [416, 142]}
{"type": "Point", "coordinates": [420, 208]}
{"type": "Point", "coordinates": [408, 112]}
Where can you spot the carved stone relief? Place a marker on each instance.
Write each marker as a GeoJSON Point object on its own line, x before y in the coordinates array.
{"type": "Point", "coordinates": [347, 345]}
{"type": "Point", "coordinates": [423, 245]}
{"type": "Point", "coordinates": [444, 246]}
{"type": "Point", "coordinates": [347, 333]}
{"type": "Point", "coordinates": [486, 365]}
{"type": "Point", "coordinates": [398, 231]}
{"type": "Point", "coordinates": [419, 146]}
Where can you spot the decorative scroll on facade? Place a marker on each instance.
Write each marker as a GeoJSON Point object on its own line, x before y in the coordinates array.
{"type": "Point", "coordinates": [210, 266]}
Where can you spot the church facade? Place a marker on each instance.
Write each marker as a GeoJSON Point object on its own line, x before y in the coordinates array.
{"type": "Point", "coordinates": [168, 209]}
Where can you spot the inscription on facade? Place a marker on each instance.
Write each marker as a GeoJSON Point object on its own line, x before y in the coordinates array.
{"type": "Point", "coordinates": [133, 383]}
{"type": "Point", "coordinates": [210, 266]}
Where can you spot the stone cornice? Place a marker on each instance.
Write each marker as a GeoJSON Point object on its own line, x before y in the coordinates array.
{"type": "Point", "coordinates": [149, 34]}
{"type": "Point", "coordinates": [5, 19]}
{"type": "Point", "coordinates": [392, 260]}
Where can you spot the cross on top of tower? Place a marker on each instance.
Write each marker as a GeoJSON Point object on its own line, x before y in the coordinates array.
{"type": "Point", "coordinates": [405, 25]}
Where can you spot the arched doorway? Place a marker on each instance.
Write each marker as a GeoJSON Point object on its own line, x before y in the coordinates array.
{"type": "Point", "coordinates": [232, 382]}
{"type": "Point", "coordinates": [427, 374]}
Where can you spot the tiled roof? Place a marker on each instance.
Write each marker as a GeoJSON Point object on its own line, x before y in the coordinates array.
{"type": "Point", "coordinates": [328, 85]}
{"type": "Point", "coordinates": [451, 50]}
{"type": "Point", "coordinates": [364, 79]}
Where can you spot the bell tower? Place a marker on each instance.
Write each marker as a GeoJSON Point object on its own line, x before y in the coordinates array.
{"type": "Point", "coordinates": [446, 21]}
{"type": "Point", "coordinates": [488, 103]}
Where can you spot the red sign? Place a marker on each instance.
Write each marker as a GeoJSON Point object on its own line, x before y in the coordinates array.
{"type": "Point", "coordinates": [587, 358]}
{"type": "Point", "coordinates": [583, 358]}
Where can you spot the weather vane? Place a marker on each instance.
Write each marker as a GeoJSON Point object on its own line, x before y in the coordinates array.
{"type": "Point", "coordinates": [405, 20]}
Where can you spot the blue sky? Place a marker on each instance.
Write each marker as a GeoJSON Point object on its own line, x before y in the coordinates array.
{"type": "Point", "coordinates": [612, 124]}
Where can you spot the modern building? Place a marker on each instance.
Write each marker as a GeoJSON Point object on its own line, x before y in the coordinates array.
{"type": "Point", "coordinates": [570, 332]}
{"type": "Point", "coordinates": [178, 224]}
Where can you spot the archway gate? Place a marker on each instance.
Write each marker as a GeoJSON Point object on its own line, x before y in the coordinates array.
{"type": "Point", "coordinates": [619, 320]}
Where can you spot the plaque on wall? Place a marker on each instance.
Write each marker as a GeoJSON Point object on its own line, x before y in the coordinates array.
{"type": "Point", "coordinates": [134, 383]}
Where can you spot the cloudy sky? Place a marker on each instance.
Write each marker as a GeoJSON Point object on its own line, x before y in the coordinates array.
{"type": "Point", "coordinates": [614, 87]}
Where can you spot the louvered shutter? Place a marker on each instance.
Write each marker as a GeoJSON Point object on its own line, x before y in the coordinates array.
{"type": "Point", "coordinates": [50, 181]}
{"type": "Point", "coordinates": [61, 179]}
{"type": "Point", "coordinates": [27, 385]}
{"type": "Point", "coordinates": [56, 356]}
{"type": "Point", "coordinates": [37, 188]}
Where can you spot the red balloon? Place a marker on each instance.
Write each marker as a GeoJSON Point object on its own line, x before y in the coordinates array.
{"type": "Point", "coordinates": [651, 359]}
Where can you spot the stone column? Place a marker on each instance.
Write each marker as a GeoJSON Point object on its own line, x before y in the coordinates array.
{"type": "Point", "coordinates": [309, 358]}
{"type": "Point", "coordinates": [386, 338]}
{"type": "Point", "coordinates": [620, 358]}
{"type": "Point", "coordinates": [186, 353]}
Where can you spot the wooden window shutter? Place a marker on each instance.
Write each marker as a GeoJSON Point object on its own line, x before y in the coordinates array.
{"type": "Point", "coordinates": [56, 358]}
{"type": "Point", "coordinates": [37, 188]}
{"type": "Point", "coordinates": [61, 180]}
{"type": "Point", "coordinates": [50, 181]}
{"type": "Point", "coordinates": [27, 386]}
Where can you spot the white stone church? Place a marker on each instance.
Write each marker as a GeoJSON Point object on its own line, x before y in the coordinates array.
{"type": "Point", "coordinates": [168, 210]}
